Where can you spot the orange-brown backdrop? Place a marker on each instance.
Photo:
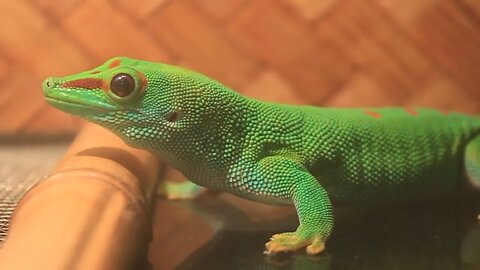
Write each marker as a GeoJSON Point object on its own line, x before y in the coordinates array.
{"type": "Point", "coordinates": [323, 52]}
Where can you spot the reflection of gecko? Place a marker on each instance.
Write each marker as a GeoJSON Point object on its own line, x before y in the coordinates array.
{"type": "Point", "coordinates": [307, 156]}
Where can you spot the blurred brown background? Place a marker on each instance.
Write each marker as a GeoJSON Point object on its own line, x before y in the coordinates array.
{"type": "Point", "coordinates": [323, 52]}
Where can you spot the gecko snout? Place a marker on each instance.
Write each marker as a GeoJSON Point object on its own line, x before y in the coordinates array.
{"type": "Point", "coordinates": [50, 82]}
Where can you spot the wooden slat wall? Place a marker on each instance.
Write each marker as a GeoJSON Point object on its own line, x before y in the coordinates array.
{"type": "Point", "coordinates": [329, 52]}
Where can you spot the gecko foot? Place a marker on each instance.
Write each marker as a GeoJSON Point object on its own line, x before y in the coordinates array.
{"type": "Point", "coordinates": [180, 191]}
{"type": "Point", "coordinates": [291, 241]}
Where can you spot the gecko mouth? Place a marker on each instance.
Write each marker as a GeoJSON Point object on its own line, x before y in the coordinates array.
{"type": "Point", "coordinates": [66, 104]}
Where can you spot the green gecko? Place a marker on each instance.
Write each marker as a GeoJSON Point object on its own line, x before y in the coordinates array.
{"type": "Point", "coordinates": [311, 157]}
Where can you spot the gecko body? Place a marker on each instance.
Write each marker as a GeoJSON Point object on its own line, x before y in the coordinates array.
{"type": "Point", "coordinates": [310, 157]}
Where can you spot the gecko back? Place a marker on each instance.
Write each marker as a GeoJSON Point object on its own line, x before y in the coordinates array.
{"type": "Point", "coordinates": [388, 155]}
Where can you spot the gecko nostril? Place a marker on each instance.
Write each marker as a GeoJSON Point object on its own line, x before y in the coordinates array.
{"type": "Point", "coordinates": [50, 82]}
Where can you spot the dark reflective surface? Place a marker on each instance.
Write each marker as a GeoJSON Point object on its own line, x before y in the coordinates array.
{"type": "Point", "coordinates": [416, 237]}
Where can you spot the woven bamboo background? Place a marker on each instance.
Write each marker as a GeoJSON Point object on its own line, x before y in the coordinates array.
{"type": "Point", "coordinates": [323, 52]}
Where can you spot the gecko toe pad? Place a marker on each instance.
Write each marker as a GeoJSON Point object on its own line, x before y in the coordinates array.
{"type": "Point", "coordinates": [291, 241]}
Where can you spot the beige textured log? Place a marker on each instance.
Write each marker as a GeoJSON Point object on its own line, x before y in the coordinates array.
{"type": "Point", "coordinates": [92, 212]}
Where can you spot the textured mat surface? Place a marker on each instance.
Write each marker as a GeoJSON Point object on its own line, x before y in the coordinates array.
{"type": "Point", "coordinates": [21, 166]}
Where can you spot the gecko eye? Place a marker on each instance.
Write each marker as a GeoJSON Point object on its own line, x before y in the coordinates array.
{"type": "Point", "coordinates": [122, 85]}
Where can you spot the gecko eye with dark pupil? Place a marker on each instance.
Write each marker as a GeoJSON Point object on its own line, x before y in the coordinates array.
{"type": "Point", "coordinates": [122, 85]}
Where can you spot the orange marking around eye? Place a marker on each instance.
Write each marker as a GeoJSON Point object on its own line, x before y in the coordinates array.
{"type": "Point", "coordinates": [411, 111]}
{"type": "Point", "coordinates": [143, 79]}
{"type": "Point", "coordinates": [87, 83]}
{"type": "Point", "coordinates": [115, 63]}
{"type": "Point", "coordinates": [373, 114]}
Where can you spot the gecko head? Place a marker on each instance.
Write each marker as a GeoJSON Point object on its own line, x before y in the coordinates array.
{"type": "Point", "coordinates": [110, 94]}
{"type": "Point", "coordinates": [135, 99]}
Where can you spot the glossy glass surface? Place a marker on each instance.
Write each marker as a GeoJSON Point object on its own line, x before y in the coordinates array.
{"type": "Point", "coordinates": [444, 236]}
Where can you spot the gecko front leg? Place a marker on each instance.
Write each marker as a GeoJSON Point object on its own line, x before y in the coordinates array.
{"type": "Point", "coordinates": [314, 211]}
{"type": "Point", "coordinates": [285, 178]}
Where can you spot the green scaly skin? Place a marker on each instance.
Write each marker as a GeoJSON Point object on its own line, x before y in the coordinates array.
{"type": "Point", "coordinates": [307, 156]}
